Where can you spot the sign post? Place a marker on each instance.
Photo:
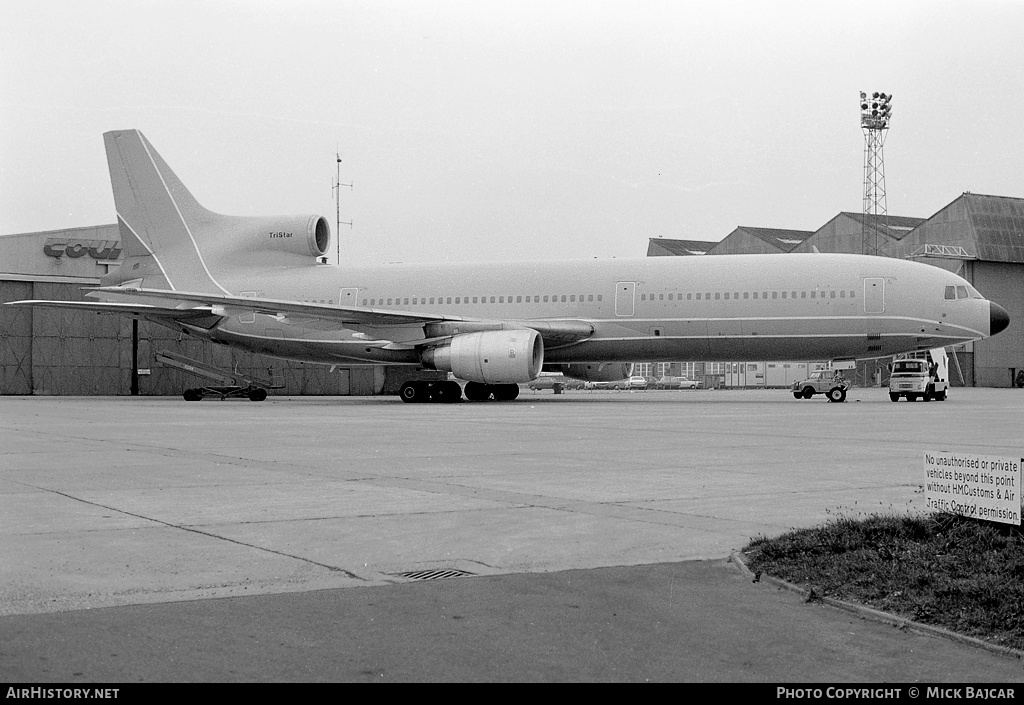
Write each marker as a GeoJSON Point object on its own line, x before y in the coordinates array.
{"type": "Point", "coordinates": [977, 486]}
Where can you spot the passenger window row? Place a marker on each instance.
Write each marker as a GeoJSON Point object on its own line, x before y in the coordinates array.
{"type": "Point", "coordinates": [757, 295]}
{"type": "Point", "coordinates": [422, 300]}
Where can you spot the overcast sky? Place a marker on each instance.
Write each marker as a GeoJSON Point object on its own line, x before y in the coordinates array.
{"type": "Point", "coordinates": [511, 130]}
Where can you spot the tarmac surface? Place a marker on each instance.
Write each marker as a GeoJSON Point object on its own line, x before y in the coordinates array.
{"type": "Point", "coordinates": [152, 539]}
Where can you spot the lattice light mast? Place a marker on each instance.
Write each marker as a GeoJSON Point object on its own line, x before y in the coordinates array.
{"type": "Point", "coordinates": [336, 192]}
{"type": "Point", "coordinates": [875, 111]}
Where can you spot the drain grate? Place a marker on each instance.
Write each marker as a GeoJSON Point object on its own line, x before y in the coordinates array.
{"type": "Point", "coordinates": [433, 574]}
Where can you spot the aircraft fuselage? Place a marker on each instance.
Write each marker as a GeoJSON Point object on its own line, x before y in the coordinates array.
{"type": "Point", "coordinates": [727, 308]}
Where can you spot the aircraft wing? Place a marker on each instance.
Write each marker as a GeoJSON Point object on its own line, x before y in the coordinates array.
{"type": "Point", "coordinates": [299, 313]}
{"type": "Point", "coordinates": [378, 322]}
{"type": "Point", "coordinates": [115, 307]}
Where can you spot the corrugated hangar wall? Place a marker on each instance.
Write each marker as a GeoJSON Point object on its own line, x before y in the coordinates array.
{"type": "Point", "coordinates": [15, 339]}
{"type": "Point", "coordinates": [1000, 359]}
{"type": "Point", "coordinates": [57, 351]}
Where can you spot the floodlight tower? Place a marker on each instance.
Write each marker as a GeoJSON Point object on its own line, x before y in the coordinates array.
{"type": "Point", "coordinates": [875, 111]}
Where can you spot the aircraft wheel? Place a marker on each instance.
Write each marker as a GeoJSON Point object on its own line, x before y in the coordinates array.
{"type": "Point", "coordinates": [505, 392]}
{"type": "Point", "coordinates": [837, 394]}
{"type": "Point", "coordinates": [455, 392]}
{"type": "Point", "coordinates": [894, 397]}
{"type": "Point", "coordinates": [192, 395]}
{"type": "Point", "coordinates": [475, 391]}
{"type": "Point", "coordinates": [448, 392]}
{"type": "Point", "coordinates": [257, 394]}
{"type": "Point", "coordinates": [411, 392]}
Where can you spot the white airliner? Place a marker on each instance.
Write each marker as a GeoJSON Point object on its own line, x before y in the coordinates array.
{"type": "Point", "coordinates": [261, 284]}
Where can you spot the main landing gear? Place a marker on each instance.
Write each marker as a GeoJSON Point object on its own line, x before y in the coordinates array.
{"type": "Point", "coordinates": [415, 391]}
{"type": "Point", "coordinates": [475, 391]}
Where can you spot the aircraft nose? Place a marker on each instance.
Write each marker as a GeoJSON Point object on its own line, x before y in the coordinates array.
{"type": "Point", "coordinates": [998, 318]}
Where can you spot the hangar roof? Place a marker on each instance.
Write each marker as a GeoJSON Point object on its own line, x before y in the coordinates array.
{"type": "Point", "coordinates": [895, 227]}
{"type": "Point", "coordinates": [849, 232]}
{"type": "Point", "coordinates": [990, 228]}
{"type": "Point", "coordinates": [784, 240]}
{"type": "Point", "coordinates": [661, 247]}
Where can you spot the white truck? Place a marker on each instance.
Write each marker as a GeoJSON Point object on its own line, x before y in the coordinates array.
{"type": "Point", "coordinates": [923, 375]}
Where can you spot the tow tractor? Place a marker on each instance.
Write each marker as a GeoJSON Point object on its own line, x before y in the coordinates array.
{"type": "Point", "coordinates": [232, 384]}
{"type": "Point", "coordinates": [920, 375]}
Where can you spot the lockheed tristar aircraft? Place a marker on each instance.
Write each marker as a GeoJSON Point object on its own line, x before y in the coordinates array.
{"type": "Point", "coordinates": [262, 284]}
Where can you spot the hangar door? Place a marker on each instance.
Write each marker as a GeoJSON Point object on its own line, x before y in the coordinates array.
{"type": "Point", "coordinates": [874, 295]}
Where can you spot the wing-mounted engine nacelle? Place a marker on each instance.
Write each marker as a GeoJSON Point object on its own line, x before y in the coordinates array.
{"type": "Point", "coordinates": [594, 371]}
{"type": "Point", "coordinates": [490, 357]}
{"type": "Point", "coordinates": [304, 235]}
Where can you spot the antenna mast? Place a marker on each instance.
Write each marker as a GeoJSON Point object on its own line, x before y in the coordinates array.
{"type": "Point", "coordinates": [336, 192]}
{"type": "Point", "coordinates": [875, 111]}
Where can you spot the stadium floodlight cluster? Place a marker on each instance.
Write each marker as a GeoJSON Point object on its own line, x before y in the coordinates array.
{"type": "Point", "coordinates": [875, 110]}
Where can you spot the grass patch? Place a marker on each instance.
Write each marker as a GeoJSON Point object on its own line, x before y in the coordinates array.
{"type": "Point", "coordinates": [945, 570]}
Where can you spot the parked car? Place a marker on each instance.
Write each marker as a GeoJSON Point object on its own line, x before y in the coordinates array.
{"type": "Point", "coordinates": [636, 382]}
{"type": "Point", "coordinates": [556, 383]}
{"type": "Point", "coordinates": [617, 384]}
{"type": "Point", "coordinates": [673, 382]}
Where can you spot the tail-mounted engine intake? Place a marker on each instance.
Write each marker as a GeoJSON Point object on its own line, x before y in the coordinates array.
{"type": "Point", "coordinates": [300, 235]}
{"type": "Point", "coordinates": [237, 237]}
{"type": "Point", "coordinates": [490, 357]}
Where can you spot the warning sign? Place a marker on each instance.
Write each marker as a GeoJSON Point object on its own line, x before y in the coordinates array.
{"type": "Point", "coordinates": [978, 486]}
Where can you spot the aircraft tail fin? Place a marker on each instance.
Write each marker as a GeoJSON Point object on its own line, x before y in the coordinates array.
{"type": "Point", "coordinates": [160, 222]}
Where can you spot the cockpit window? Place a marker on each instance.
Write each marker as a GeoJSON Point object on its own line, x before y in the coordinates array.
{"type": "Point", "coordinates": [961, 291]}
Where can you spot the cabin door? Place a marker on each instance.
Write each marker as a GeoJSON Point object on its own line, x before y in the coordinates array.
{"type": "Point", "coordinates": [348, 297]}
{"type": "Point", "coordinates": [874, 295]}
{"type": "Point", "coordinates": [625, 296]}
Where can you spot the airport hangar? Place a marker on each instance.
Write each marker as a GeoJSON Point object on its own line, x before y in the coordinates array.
{"type": "Point", "coordinates": [62, 352]}
{"type": "Point", "coordinates": [59, 352]}
{"type": "Point", "coordinates": [979, 237]}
